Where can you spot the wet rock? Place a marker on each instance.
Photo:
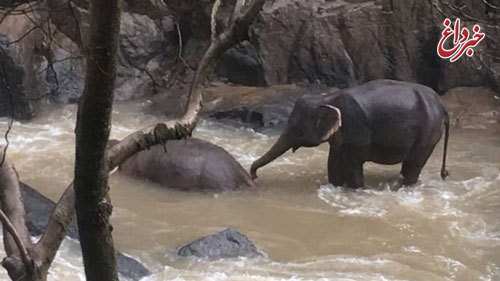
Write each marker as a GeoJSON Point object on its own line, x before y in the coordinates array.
{"type": "Point", "coordinates": [473, 107]}
{"type": "Point", "coordinates": [342, 43]}
{"type": "Point", "coordinates": [260, 115]}
{"type": "Point", "coordinates": [228, 243]}
{"type": "Point", "coordinates": [334, 43]}
{"type": "Point", "coordinates": [64, 79]}
{"type": "Point", "coordinates": [242, 65]}
{"type": "Point", "coordinates": [14, 97]}
{"type": "Point", "coordinates": [259, 108]}
{"type": "Point", "coordinates": [49, 67]}
{"type": "Point", "coordinates": [140, 44]}
{"type": "Point", "coordinates": [53, 68]}
{"type": "Point", "coordinates": [38, 210]}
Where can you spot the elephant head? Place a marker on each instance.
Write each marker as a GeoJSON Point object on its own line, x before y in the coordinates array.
{"type": "Point", "coordinates": [111, 143]}
{"type": "Point", "coordinates": [311, 122]}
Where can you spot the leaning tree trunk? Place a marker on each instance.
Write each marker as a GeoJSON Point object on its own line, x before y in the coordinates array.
{"type": "Point", "coordinates": [92, 133]}
{"type": "Point", "coordinates": [30, 261]}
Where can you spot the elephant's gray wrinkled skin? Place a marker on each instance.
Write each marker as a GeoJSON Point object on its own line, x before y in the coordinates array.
{"type": "Point", "coordinates": [382, 121]}
{"type": "Point", "coordinates": [190, 164]}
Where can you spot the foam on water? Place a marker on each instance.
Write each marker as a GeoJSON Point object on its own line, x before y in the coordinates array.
{"type": "Point", "coordinates": [68, 264]}
{"type": "Point", "coordinates": [432, 199]}
{"type": "Point", "coordinates": [436, 230]}
{"type": "Point", "coordinates": [324, 268]}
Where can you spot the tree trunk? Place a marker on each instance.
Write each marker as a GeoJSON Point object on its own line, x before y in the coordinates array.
{"type": "Point", "coordinates": [92, 133]}
{"type": "Point", "coordinates": [87, 193]}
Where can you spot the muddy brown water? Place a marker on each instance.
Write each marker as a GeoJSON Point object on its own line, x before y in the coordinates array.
{"type": "Point", "coordinates": [308, 230]}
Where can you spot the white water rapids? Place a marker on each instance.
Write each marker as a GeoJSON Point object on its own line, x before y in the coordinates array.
{"type": "Point", "coordinates": [308, 230]}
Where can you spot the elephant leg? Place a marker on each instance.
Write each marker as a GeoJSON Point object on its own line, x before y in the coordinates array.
{"type": "Point", "coordinates": [335, 176]}
{"type": "Point", "coordinates": [413, 165]}
{"type": "Point", "coordinates": [352, 167]}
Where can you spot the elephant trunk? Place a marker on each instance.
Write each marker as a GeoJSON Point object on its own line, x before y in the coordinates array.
{"type": "Point", "coordinates": [281, 146]}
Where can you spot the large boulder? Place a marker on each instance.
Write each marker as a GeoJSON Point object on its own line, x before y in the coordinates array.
{"type": "Point", "coordinates": [140, 58]}
{"type": "Point", "coordinates": [242, 65]}
{"type": "Point", "coordinates": [14, 97]}
{"type": "Point", "coordinates": [342, 43]}
{"type": "Point", "coordinates": [334, 43]}
{"type": "Point", "coordinates": [228, 243]}
{"type": "Point", "coordinates": [38, 211]}
{"type": "Point", "coordinates": [53, 68]}
{"type": "Point", "coordinates": [258, 107]}
{"type": "Point", "coordinates": [49, 69]}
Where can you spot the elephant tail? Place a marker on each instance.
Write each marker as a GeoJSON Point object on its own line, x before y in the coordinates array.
{"type": "Point", "coordinates": [444, 172]}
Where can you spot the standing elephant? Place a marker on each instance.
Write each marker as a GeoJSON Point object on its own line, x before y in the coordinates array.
{"type": "Point", "coordinates": [190, 164]}
{"type": "Point", "coordinates": [382, 121]}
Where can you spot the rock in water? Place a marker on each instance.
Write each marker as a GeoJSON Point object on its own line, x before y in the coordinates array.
{"type": "Point", "coordinates": [228, 243]}
{"type": "Point", "coordinates": [14, 97]}
{"type": "Point", "coordinates": [38, 210]}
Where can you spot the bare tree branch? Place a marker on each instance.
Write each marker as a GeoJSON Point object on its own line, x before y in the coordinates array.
{"type": "Point", "coordinates": [12, 3]}
{"type": "Point", "coordinates": [460, 10]}
{"type": "Point", "coordinates": [6, 135]}
{"type": "Point", "coordinates": [60, 60]}
{"type": "Point", "coordinates": [487, 66]}
{"type": "Point", "coordinates": [56, 229]}
{"type": "Point", "coordinates": [48, 35]}
{"type": "Point", "coordinates": [213, 20]}
{"type": "Point", "coordinates": [491, 5]}
{"type": "Point", "coordinates": [179, 35]}
{"type": "Point", "coordinates": [79, 41]}
{"type": "Point", "coordinates": [44, 251]}
{"type": "Point", "coordinates": [17, 244]}
{"type": "Point", "coordinates": [129, 61]}
{"type": "Point", "coordinates": [23, 36]}
{"type": "Point", "coordinates": [159, 133]}
{"type": "Point", "coordinates": [28, 263]}
{"type": "Point", "coordinates": [12, 110]}
{"type": "Point", "coordinates": [238, 7]}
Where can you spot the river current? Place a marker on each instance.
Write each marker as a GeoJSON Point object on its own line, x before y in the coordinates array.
{"type": "Point", "coordinates": [307, 229]}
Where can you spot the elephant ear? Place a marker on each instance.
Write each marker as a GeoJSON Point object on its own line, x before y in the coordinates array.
{"type": "Point", "coordinates": [329, 121]}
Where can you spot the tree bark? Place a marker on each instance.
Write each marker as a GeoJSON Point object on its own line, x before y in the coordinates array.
{"type": "Point", "coordinates": [92, 133]}
{"type": "Point", "coordinates": [17, 241]}
{"type": "Point", "coordinates": [93, 161]}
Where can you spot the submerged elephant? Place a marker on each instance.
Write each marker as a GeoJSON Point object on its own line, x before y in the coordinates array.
{"type": "Point", "coordinates": [382, 121]}
{"type": "Point", "coordinates": [190, 164]}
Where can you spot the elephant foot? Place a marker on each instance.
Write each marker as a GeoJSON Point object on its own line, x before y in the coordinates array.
{"type": "Point", "coordinates": [403, 182]}
{"type": "Point", "coordinates": [396, 186]}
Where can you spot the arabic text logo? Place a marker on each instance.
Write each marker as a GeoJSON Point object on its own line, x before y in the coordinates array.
{"type": "Point", "coordinates": [462, 43]}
